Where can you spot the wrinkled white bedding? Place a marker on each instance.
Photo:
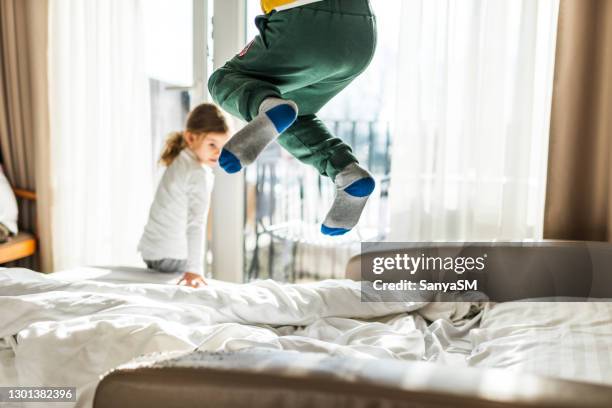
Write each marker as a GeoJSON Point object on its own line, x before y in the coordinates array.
{"type": "Point", "coordinates": [60, 331]}
{"type": "Point", "coordinates": [571, 340]}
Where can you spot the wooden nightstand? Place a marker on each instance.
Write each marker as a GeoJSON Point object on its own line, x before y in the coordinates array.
{"type": "Point", "coordinates": [24, 243]}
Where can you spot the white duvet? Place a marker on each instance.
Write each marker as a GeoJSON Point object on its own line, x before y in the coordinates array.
{"type": "Point", "coordinates": [57, 332]}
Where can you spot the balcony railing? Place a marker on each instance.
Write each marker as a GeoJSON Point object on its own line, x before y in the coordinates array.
{"type": "Point", "coordinates": [287, 201]}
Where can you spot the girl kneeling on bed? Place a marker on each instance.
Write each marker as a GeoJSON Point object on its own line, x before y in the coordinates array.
{"type": "Point", "coordinates": [173, 239]}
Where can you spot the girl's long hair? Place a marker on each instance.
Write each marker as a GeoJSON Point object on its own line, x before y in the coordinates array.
{"type": "Point", "coordinates": [204, 119]}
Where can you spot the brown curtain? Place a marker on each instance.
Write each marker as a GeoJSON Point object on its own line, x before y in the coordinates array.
{"type": "Point", "coordinates": [24, 134]}
{"type": "Point", "coordinates": [579, 191]}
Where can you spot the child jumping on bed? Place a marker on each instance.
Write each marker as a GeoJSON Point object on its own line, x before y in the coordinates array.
{"type": "Point", "coordinates": [173, 239]}
{"type": "Point", "coordinates": [307, 51]}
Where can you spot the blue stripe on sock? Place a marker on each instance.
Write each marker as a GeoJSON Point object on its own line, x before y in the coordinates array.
{"type": "Point", "coordinates": [362, 187]}
{"type": "Point", "coordinates": [334, 232]}
{"type": "Point", "coordinates": [229, 162]}
{"type": "Point", "coordinates": [282, 116]}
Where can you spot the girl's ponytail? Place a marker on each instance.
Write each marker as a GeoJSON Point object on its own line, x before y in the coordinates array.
{"type": "Point", "coordinates": [175, 143]}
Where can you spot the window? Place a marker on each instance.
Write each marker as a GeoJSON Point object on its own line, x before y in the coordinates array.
{"type": "Point", "coordinates": [169, 65]}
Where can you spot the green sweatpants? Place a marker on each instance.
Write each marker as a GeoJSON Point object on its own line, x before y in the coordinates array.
{"type": "Point", "coordinates": [306, 54]}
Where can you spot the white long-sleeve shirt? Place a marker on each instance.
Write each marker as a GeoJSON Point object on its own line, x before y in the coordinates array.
{"type": "Point", "coordinates": [177, 220]}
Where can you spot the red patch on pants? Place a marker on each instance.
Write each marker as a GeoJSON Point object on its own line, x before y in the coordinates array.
{"type": "Point", "coordinates": [246, 49]}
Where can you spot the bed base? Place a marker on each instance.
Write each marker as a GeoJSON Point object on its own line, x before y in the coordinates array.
{"type": "Point", "coordinates": [260, 378]}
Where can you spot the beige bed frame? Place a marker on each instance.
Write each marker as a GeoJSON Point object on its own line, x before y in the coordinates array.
{"type": "Point", "coordinates": [282, 379]}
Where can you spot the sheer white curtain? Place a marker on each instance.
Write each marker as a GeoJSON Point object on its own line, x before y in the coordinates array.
{"type": "Point", "coordinates": [100, 137]}
{"type": "Point", "coordinates": [471, 134]}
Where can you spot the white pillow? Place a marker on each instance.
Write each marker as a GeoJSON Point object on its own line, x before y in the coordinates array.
{"type": "Point", "coordinates": [8, 204]}
{"type": "Point", "coordinates": [571, 340]}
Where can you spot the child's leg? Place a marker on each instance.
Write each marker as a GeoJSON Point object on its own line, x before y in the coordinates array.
{"type": "Point", "coordinates": [275, 116]}
{"type": "Point", "coordinates": [250, 86]}
{"type": "Point", "coordinates": [311, 142]}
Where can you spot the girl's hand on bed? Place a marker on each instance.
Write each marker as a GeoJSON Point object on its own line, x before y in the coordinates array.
{"type": "Point", "coordinates": [193, 280]}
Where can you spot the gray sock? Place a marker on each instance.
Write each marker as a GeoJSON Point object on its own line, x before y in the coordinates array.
{"type": "Point", "coordinates": [354, 185]}
{"type": "Point", "coordinates": [275, 116]}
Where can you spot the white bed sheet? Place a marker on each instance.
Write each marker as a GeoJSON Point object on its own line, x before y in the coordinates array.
{"type": "Point", "coordinates": [65, 331]}
{"type": "Point", "coordinates": [570, 340]}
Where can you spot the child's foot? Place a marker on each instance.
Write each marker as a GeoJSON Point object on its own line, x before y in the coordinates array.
{"type": "Point", "coordinates": [354, 186]}
{"type": "Point", "coordinates": [275, 116]}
